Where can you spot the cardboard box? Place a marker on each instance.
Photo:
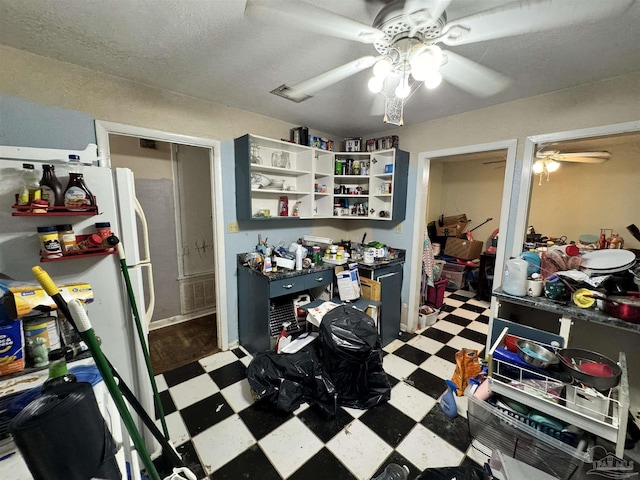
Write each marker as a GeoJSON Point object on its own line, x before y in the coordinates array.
{"type": "Point", "coordinates": [463, 248]}
{"type": "Point", "coordinates": [451, 226]}
{"type": "Point", "coordinates": [19, 299]}
{"type": "Point", "coordinates": [11, 347]}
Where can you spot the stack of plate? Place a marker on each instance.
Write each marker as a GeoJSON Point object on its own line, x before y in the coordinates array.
{"type": "Point", "coordinates": [605, 262]}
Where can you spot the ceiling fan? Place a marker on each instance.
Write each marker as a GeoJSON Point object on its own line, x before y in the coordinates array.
{"type": "Point", "coordinates": [405, 35]}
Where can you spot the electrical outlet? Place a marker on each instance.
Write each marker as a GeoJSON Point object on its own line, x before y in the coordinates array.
{"type": "Point", "coordinates": [233, 227]}
{"type": "Point", "coordinates": [399, 228]}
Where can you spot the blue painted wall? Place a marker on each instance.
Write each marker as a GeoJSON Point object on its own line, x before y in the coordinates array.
{"type": "Point", "coordinates": [27, 124]}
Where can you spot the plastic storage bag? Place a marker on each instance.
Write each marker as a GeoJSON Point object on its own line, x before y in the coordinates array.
{"type": "Point", "coordinates": [352, 358]}
{"type": "Point", "coordinates": [467, 366]}
{"type": "Point", "coordinates": [285, 381]}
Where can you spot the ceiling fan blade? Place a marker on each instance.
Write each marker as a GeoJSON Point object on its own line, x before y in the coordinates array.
{"type": "Point", "coordinates": [583, 157]}
{"type": "Point", "coordinates": [307, 17]}
{"type": "Point", "coordinates": [317, 83]}
{"type": "Point", "coordinates": [419, 13]}
{"type": "Point", "coordinates": [471, 76]}
{"type": "Point", "coordinates": [527, 16]}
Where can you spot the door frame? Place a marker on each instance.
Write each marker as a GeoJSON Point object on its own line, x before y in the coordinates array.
{"type": "Point", "coordinates": [422, 191]}
{"type": "Point", "coordinates": [104, 128]}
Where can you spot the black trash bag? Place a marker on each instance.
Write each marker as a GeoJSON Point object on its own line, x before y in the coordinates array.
{"type": "Point", "coordinates": [287, 380]}
{"type": "Point", "coordinates": [352, 358]}
{"type": "Point", "coordinates": [454, 473]}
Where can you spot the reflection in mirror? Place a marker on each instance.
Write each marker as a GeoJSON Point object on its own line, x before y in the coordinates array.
{"type": "Point", "coordinates": [587, 193]}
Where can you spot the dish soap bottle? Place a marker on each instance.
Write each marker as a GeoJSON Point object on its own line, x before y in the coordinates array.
{"type": "Point", "coordinates": [448, 400]}
{"type": "Point", "coordinates": [51, 187]}
{"type": "Point", "coordinates": [77, 196]}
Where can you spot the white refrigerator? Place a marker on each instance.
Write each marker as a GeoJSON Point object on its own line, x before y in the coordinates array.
{"type": "Point", "coordinates": [110, 312]}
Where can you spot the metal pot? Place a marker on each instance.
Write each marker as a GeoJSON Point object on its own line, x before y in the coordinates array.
{"type": "Point", "coordinates": [572, 358]}
{"type": "Point", "coordinates": [624, 308]}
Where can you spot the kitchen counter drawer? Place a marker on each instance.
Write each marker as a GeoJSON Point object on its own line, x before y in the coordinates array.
{"type": "Point", "coordinates": [286, 286]}
{"type": "Point", "coordinates": [318, 279]}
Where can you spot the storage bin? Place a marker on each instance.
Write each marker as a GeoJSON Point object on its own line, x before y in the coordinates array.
{"type": "Point", "coordinates": [427, 316]}
{"type": "Point", "coordinates": [497, 431]}
{"type": "Point", "coordinates": [454, 274]}
{"type": "Point", "coordinates": [435, 294]}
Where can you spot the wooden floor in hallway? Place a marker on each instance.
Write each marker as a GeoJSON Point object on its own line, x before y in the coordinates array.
{"type": "Point", "coordinates": [176, 345]}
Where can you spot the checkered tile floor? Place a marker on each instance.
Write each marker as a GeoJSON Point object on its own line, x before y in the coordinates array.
{"type": "Point", "coordinates": [223, 434]}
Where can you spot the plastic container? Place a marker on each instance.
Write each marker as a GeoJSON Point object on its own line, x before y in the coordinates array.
{"type": "Point", "coordinates": [51, 187]}
{"type": "Point", "coordinates": [435, 294]}
{"type": "Point", "coordinates": [77, 196]}
{"type": "Point", "coordinates": [393, 472]}
{"type": "Point", "coordinates": [515, 277]}
{"type": "Point", "coordinates": [49, 242]}
{"type": "Point", "coordinates": [92, 241]}
{"type": "Point", "coordinates": [67, 237]}
{"type": "Point", "coordinates": [104, 230]}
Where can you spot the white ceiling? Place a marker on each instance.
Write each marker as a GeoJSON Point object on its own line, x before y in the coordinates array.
{"type": "Point", "coordinates": [209, 50]}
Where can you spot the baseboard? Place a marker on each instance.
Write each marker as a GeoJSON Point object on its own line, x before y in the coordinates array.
{"type": "Point", "coordinates": [167, 322]}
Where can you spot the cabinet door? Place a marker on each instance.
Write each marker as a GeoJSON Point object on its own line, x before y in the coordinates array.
{"type": "Point", "coordinates": [323, 168]}
{"type": "Point", "coordinates": [390, 311]}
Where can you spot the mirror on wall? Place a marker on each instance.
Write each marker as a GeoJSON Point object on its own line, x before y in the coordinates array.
{"type": "Point", "coordinates": [586, 194]}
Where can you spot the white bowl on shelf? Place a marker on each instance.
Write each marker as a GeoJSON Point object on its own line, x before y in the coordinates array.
{"type": "Point", "coordinates": [276, 184]}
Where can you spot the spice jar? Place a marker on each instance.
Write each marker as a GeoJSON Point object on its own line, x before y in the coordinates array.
{"type": "Point", "coordinates": [67, 238]}
{"type": "Point", "coordinates": [92, 241]}
{"type": "Point", "coordinates": [49, 242]}
{"type": "Point", "coordinates": [104, 230]}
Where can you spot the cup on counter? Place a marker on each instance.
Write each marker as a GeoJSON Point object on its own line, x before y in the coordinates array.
{"type": "Point", "coordinates": [534, 288]}
{"type": "Point", "coordinates": [554, 290]}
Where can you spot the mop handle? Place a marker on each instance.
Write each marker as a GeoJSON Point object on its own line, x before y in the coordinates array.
{"type": "Point", "coordinates": [83, 325]}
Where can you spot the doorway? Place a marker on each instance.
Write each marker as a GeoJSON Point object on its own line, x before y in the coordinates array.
{"type": "Point", "coordinates": [191, 289]}
{"type": "Point", "coordinates": [428, 193]}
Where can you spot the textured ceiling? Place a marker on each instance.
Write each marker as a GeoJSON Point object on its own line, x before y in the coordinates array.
{"type": "Point", "coordinates": [208, 49]}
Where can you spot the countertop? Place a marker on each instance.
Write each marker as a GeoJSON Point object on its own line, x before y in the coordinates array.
{"type": "Point", "coordinates": [567, 309]}
{"type": "Point", "coordinates": [284, 273]}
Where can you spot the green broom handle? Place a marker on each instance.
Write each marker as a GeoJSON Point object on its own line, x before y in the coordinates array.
{"type": "Point", "coordinates": [143, 342]}
{"type": "Point", "coordinates": [82, 323]}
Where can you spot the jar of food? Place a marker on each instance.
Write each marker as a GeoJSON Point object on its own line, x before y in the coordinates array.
{"type": "Point", "coordinates": [104, 230]}
{"type": "Point", "coordinates": [67, 238]}
{"type": "Point", "coordinates": [49, 242]}
{"type": "Point", "coordinates": [92, 241]}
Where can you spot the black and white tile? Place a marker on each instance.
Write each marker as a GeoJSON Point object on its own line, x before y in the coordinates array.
{"type": "Point", "coordinates": [222, 434]}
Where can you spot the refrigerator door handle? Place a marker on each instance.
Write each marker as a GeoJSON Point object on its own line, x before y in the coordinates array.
{"type": "Point", "coordinates": [152, 294]}
{"type": "Point", "coordinates": [145, 256]}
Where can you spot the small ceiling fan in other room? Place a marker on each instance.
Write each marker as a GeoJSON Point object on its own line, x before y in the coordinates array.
{"type": "Point", "coordinates": [406, 35]}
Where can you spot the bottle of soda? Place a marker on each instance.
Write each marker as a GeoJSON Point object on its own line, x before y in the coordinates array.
{"type": "Point", "coordinates": [58, 372]}
{"type": "Point", "coordinates": [51, 187]}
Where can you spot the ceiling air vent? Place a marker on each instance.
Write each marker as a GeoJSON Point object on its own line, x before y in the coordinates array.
{"type": "Point", "coordinates": [289, 93]}
{"type": "Point", "coordinates": [146, 143]}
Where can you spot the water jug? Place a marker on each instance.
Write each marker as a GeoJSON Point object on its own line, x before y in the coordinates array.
{"type": "Point", "coordinates": [515, 277]}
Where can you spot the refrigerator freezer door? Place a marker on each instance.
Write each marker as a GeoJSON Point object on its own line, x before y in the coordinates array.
{"type": "Point", "coordinates": [126, 199]}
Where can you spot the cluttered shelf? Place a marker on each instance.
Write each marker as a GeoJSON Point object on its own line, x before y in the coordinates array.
{"type": "Point", "coordinates": [566, 309]}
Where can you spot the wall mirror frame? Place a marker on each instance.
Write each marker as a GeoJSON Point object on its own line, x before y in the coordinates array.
{"type": "Point", "coordinates": [422, 191]}
{"type": "Point", "coordinates": [532, 145]}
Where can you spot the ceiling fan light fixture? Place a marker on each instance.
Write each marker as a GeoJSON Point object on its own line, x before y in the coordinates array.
{"type": "Point", "coordinates": [551, 165]}
{"type": "Point", "coordinates": [538, 167]}
{"type": "Point", "coordinates": [403, 90]}
{"type": "Point", "coordinates": [375, 84]}
{"type": "Point", "coordinates": [382, 68]}
{"type": "Point", "coordinates": [433, 80]}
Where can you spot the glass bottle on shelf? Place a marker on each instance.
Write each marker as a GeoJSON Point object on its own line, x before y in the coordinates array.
{"type": "Point", "coordinates": [58, 372]}
{"type": "Point", "coordinates": [77, 196]}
